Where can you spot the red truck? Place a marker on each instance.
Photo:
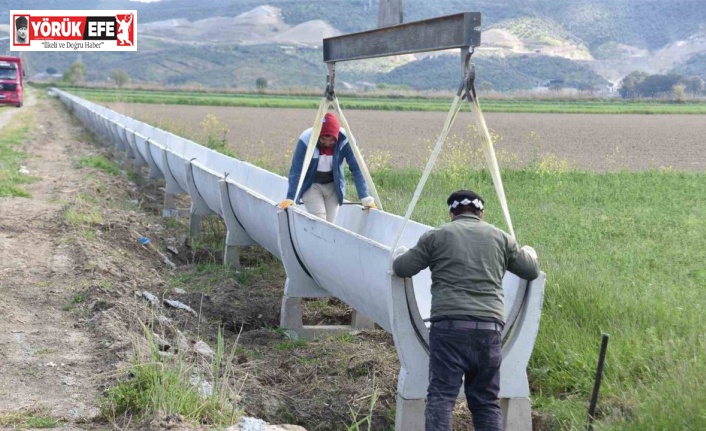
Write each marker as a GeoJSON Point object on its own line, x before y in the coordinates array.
{"type": "Point", "coordinates": [11, 81]}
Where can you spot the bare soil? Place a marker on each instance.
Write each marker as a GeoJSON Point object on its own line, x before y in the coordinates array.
{"type": "Point", "coordinates": [593, 142]}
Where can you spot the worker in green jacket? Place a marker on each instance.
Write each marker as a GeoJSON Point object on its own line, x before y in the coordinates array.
{"type": "Point", "coordinates": [468, 259]}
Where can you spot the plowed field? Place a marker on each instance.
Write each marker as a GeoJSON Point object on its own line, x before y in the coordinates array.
{"type": "Point", "coordinates": [586, 141]}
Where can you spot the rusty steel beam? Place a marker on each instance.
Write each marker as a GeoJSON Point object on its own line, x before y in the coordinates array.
{"type": "Point", "coordinates": [452, 31]}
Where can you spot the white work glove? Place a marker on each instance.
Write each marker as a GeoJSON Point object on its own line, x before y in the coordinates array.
{"type": "Point", "coordinates": [399, 251]}
{"type": "Point", "coordinates": [531, 251]}
{"type": "Point", "coordinates": [368, 202]}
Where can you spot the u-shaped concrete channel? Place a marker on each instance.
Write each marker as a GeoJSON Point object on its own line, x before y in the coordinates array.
{"type": "Point", "coordinates": [356, 252]}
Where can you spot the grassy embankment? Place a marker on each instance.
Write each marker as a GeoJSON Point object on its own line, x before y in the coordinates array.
{"type": "Point", "coordinates": [616, 106]}
{"type": "Point", "coordinates": [11, 135]}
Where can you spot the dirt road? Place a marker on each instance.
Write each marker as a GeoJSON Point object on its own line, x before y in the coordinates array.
{"type": "Point", "coordinates": [47, 359]}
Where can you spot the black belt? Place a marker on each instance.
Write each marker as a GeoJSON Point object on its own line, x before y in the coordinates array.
{"type": "Point", "coordinates": [467, 324]}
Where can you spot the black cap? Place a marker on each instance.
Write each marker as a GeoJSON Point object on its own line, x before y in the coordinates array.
{"type": "Point", "coordinates": [463, 200]}
{"type": "Point", "coordinates": [21, 22]}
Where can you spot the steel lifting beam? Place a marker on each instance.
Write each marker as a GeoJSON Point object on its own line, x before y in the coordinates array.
{"type": "Point", "coordinates": [452, 31]}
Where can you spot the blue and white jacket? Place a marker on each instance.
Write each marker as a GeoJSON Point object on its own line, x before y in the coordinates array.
{"type": "Point", "coordinates": [341, 151]}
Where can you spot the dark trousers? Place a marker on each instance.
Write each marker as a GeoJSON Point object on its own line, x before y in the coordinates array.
{"type": "Point", "coordinates": [453, 354]}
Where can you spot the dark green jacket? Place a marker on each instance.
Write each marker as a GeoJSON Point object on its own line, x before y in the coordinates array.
{"type": "Point", "coordinates": [467, 258]}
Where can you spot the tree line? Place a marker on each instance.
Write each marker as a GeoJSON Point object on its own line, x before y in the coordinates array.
{"type": "Point", "coordinates": [640, 84]}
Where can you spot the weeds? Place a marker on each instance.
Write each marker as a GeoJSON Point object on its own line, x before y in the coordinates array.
{"type": "Point", "coordinates": [208, 246]}
{"type": "Point", "coordinates": [37, 418]}
{"type": "Point", "coordinates": [163, 385]}
{"type": "Point", "coordinates": [100, 163]}
{"type": "Point", "coordinates": [76, 300]}
{"type": "Point", "coordinates": [216, 134]}
{"type": "Point", "coordinates": [82, 212]}
{"type": "Point", "coordinates": [10, 177]}
{"type": "Point", "coordinates": [366, 422]}
{"type": "Point", "coordinates": [290, 344]}
{"type": "Point", "coordinates": [79, 298]}
{"type": "Point", "coordinates": [347, 337]}
{"type": "Point", "coordinates": [212, 133]}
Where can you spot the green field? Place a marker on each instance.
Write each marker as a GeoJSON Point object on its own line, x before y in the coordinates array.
{"type": "Point", "coordinates": [357, 101]}
{"type": "Point", "coordinates": [624, 255]}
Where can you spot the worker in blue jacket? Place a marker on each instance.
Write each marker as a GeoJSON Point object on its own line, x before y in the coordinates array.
{"type": "Point", "coordinates": [324, 185]}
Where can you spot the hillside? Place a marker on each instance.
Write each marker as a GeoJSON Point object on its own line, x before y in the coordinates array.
{"type": "Point", "coordinates": [501, 74]}
{"type": "Point", "coordinates": [583, 43]}
{"type": "Point", "coordinates": [696, 66]}
{"type": "Point", "coordinates": [216, 66]}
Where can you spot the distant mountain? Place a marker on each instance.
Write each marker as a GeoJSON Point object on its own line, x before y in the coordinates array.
{"type": "Point", "coordinates": [525, 43]}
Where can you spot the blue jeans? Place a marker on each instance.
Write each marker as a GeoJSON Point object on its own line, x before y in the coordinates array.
{"type": "Point", "coordinates": [453, 354]}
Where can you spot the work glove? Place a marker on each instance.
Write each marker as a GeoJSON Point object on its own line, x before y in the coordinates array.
{"type": "Point", "coordinates": [368, 203]}
{"type": "Point", "coordinates": [399, 251]}
{"type": "Point", "coordinates": [285, 204]}
{"type": "Point", "coordinates": [531, 251]}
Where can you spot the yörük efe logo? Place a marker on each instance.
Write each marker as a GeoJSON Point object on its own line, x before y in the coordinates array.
{"type": "Point", "coordinates": [72, 30]}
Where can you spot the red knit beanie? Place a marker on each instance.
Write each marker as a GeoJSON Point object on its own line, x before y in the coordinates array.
{"type": "Point", "coordinates": [330, 126]}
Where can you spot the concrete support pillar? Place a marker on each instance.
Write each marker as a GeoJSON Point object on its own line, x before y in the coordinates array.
{"type": "Point", "coordinates": [517, 414]}
{"type": "Point", "coordinates": [199, 207]}
{"type": "Point", "coordinates": [231, 257]}
{"type": "Point", "coordinates": [154, 171]}
{"type": "Point", "coordinates": [129, 164]}
{"type": "Point", "coordinates": [194, 224]}
{"type": "Point", "coordinates": [409, 415]}
{"type": "Point", "coordinates": [291, 314]}
{"type": "Point", "coordinates": [360, 321]}
{"type": "Point", "coordinates": [300, 285]}
{"type": "Point", "coordinates": [235, 234]}
{"type": "Point", "coordinates": [171, 189]}
{"type": "Point", "coordinates": [169, 208]}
